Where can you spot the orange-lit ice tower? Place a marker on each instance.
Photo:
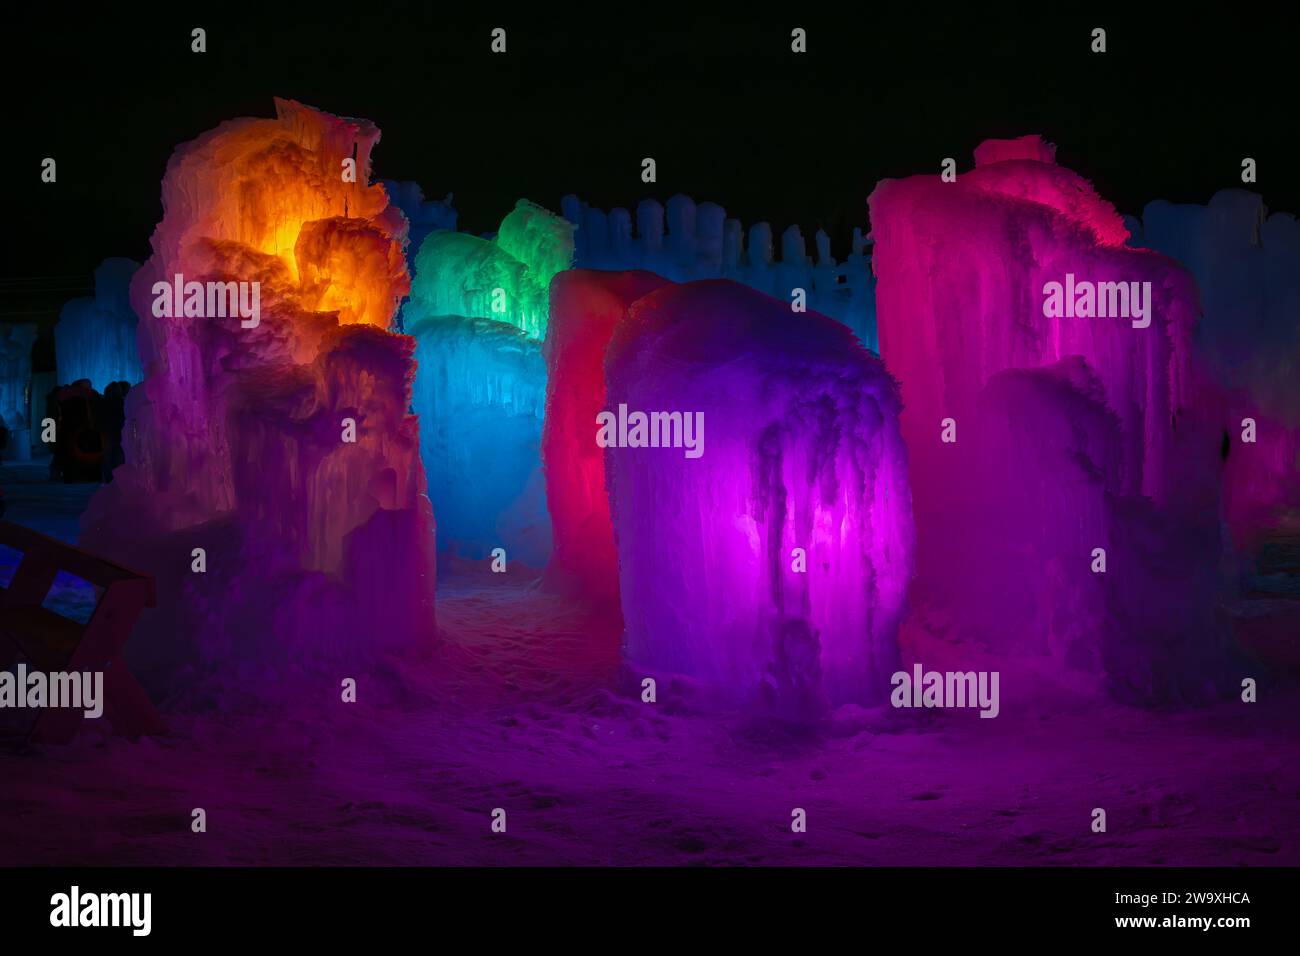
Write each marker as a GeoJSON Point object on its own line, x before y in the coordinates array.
{"type": "Point", "coordinates": [281, 444]}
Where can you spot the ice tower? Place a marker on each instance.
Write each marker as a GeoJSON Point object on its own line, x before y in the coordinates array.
{"type": "Point", "coordinates": [770, 560]}
{"type": "Point", "coordinates": [273, 482]}
{"type": "Point", "coordinates": [1065, 464]}
{"type": "Point", "coordinates": [478, 310]}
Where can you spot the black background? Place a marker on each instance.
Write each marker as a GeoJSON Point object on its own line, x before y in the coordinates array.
{"type": "Point", "coordinates": [777, 910]}
{"type": "Point", "coordinates": [729, 113]}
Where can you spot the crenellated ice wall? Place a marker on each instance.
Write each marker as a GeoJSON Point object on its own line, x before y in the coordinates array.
{"type": "Point", "coordinates": [689, 241]}
{"type": "Point", "coordinates": [1247, 268]}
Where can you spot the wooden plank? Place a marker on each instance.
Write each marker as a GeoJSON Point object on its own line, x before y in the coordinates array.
{"type": "Point", "coordinates": [55, 643]}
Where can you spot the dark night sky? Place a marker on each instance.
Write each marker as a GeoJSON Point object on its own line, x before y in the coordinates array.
{"type": "Point", "coordinates": [728, 112]}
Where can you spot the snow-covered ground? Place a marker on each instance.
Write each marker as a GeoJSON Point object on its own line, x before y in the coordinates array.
{"type": "Point", "coordinates": [525, 708]}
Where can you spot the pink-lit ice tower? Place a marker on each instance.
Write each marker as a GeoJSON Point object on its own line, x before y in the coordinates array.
{"type": "Point", "coordinates": [1065, 455]}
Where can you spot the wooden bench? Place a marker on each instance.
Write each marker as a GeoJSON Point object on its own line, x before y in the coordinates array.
{"type": "Point", "coordinates": [51, 642]}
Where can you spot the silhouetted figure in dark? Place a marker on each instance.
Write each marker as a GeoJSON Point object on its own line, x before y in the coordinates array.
{"type": "Point", "coordinates": [112, 419]}
{"type": "Point", "coordinates": [78, 444]}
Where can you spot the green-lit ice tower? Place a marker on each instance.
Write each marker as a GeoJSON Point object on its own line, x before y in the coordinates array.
{"type": "Point", "coordinates": [478, 312]}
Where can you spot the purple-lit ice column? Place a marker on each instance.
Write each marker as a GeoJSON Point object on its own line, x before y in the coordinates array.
{"type": "Point", "coordinates": [758, 487]}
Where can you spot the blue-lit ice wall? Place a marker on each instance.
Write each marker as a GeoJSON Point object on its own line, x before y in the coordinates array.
{"type": "Point", "coordinates": [422, 215]}
{"type": "Point", "coordinates": [477, 311]}
{"type": "Point", "coordinates": [480, 391]}
{"type": "Point", "coordinates": [95, 337]}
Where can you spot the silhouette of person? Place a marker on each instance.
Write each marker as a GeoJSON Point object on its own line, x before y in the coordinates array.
{"type": "Point", "coordinates": [112, 419]}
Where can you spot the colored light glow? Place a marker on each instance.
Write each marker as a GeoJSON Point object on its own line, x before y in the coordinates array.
{"type": "Point", "coordinates": [294, 432]}
{"type": "Point", "coordinates": [505, 280]}
{"type": "Point", "coordinates": [1071, 433]}
{"type": "Point", "coordinates": [802, 451]}
{"type": "Point", "coordinates": [586, 308]}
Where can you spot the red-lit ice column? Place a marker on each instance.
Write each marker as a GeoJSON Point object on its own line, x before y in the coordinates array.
{"type": "Point", "coordinates": [586, 307]}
